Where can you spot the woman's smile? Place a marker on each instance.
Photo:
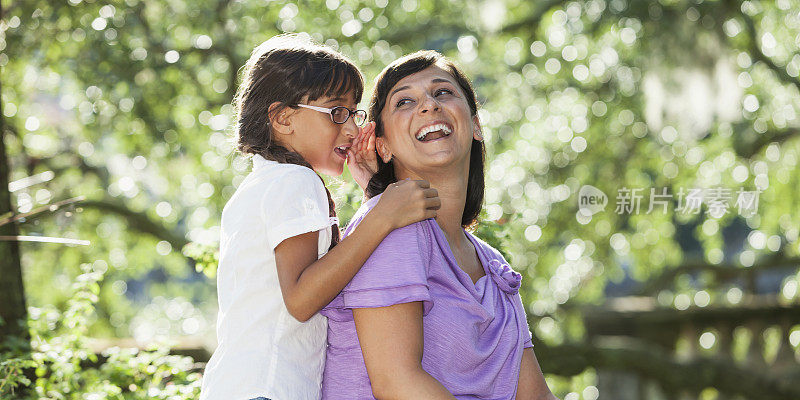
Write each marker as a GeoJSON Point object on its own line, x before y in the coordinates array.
{"type": "Point", "coordinates": [434, 131]}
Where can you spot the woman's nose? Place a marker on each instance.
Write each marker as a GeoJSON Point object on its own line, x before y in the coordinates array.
{"type": "Point", "coordinates": [429, 103]}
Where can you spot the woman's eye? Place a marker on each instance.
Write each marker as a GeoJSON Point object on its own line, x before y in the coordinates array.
{"type": "Point", "coordinates": [443, 91]}
{"type": "Point", "coordinates": [402, 102]}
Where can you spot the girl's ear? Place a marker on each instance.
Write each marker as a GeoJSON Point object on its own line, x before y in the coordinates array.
{"type": "Point", "coordinates": [280, 118]}
{"type": "Point", "coordinates": [477, 132]}
{"type": "Point", "coordinates": [383, 149]}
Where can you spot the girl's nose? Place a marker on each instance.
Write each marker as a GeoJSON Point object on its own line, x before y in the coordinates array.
{"type": "Point", "coordinates": [350, 129]}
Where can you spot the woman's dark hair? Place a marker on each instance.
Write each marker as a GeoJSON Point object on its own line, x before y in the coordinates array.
{"type": "Point", "coordinates": [388, 78]}
{"type": "Point", "coordinates": [284, 70]}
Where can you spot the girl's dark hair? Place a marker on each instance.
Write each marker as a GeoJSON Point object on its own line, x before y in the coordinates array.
{"type": "Point", "coordinates": [284, 70]}
{"type": "Point", "coordinates": [388, 78]}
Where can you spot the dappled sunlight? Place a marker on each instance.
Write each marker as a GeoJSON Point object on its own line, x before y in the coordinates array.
{"type": "Point", "coordinates": [120, 136]}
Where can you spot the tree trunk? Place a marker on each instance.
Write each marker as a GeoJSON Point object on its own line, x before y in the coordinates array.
{"type": "Point", "coordinates": [12, 293]}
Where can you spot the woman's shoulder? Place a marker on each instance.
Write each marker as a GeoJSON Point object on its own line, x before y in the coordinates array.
{"type": "Point", "coordinates": [487, 249]}
{"type": "Point", "coordinates": [413, 233]}
{"type": "Point", "coordinates": [401, 260]}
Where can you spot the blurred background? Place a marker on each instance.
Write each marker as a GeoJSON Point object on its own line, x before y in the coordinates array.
{"type": "Point", "coordinates": [682, 116]}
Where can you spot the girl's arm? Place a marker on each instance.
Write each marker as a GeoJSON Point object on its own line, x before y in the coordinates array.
{"type": "Point", "coordinates": [532, 385]}
{"type": "Point", "coordinates": [391, 342]}
{"type": "Point", "coordinates": [308, 284]}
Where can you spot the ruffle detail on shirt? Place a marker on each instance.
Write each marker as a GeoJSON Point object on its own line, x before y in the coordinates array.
{"type": "Point", "coordinates": [506, 278]}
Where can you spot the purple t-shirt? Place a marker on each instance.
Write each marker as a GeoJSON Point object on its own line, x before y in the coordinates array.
{"type": "Point", "coordinates": [474, 334]}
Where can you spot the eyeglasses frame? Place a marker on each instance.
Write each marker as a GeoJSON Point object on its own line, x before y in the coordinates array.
{"type": "Point", "coordinates": [329, 111]}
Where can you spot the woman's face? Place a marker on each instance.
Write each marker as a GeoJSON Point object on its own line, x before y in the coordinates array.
{"type": "Point", "coordinates": [427, 124]}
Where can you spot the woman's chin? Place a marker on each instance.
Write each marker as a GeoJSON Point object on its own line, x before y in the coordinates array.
{"type": "Point", "coordinates": [437, 163]}
{"type": "Point", "coordinates": [445, 157]}
{"type": "Point", "coordinates": [443, 150]}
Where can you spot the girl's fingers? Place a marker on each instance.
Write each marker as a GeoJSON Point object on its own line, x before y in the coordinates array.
{"type": "Point", "coordinates": [368, 132]}
{"type": "Point", "coordinates": [369, 128]}
{"type": "Point", "coordinates": [433, 203]}
{"type": "Point", "coordinates": [420, 182]}
{"type": "Point", "coordinates": [361, 140]}
{"type": "Point", "coordinates": [370, 142]}
{"type": "Point", "coordinates": [430, 193]}
{"type": "Point", "coordinates": [365, 145]}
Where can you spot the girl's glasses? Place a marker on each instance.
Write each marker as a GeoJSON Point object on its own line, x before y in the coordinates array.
{"type": "Point", "coordinates": [341, 114]}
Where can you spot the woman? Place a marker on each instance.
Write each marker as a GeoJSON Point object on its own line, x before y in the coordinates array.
{"type": "Point", "coordinates": [431, 280]}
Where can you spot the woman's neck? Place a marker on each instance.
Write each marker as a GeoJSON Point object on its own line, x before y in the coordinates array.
{"type": "Point", "coordinates": [453, 194]}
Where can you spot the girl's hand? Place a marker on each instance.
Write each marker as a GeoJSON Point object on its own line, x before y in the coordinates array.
{"type": "Point", "coordinates": [407, 201]}
{"type": "Point", "coordinates": [362, 160]}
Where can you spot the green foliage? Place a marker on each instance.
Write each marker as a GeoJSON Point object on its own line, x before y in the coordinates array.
{"type": "Point", "coordinates": [206, 257]}
{"type": "Point", "coordinates": [495, 234]}
{"type": "Point", "coordinates": [129, 103]}
{"type": "Point", "coordinates": [12, 373]}
{"type": "Point", "coordinates": [66, 368]}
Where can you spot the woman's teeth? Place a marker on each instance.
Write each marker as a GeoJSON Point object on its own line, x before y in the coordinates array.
{"type": "Point", "coordinates": [423, 133]}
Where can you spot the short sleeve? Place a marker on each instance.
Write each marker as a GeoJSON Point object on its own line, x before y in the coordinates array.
{"type": "Point", "coordinates": [525, 330]}
{"type": "Point", "coordinates": [295, 203]}
{"type": "Point", "coordinates": [395, 273]}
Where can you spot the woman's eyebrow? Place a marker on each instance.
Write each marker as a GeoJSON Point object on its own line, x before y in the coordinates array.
{"type": "Point", "coordinates": [440, 80]}
{"type": "Point", "coordinates": [397, 90]}
{"type": "Point", "coordinates": [434, 80]}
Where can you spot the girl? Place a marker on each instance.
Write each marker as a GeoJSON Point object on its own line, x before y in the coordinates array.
{"type": "Point", "coordinates": [278, 264]}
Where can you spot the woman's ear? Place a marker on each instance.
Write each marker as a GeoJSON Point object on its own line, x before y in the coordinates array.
{"type": "Point", "coordinates": [383, 149]}
{"type": "Point", "coordinates": [280, 118]}
{"type": "Point", "coordinates": [477, 132]}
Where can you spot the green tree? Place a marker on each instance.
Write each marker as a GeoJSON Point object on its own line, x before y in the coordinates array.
{"type": "Point", "coordinates": [127, 103]}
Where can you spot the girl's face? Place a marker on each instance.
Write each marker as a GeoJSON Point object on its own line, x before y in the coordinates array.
{"type": "Point", "coordinates": [317, 138]}
{"type": "Point", "coordinates": [427, 124]}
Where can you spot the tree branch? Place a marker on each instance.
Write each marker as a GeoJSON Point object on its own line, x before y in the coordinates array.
{"type": "Point", "coordinates": [139, 221]}
{"type": "Point", "coordinates": [424, 31]}
{"type": "Point", "coordinates": [12, 217]}
{"type": "Point", "coordinates": [531, 22]}
{"type": "Point", "coordinates": [136, 220]}
{"type": "Point", "coordinates": [749, 149]}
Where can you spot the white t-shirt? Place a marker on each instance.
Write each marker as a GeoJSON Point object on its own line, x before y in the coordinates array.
{"type": "Point", "coordinates": [262, 350]}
